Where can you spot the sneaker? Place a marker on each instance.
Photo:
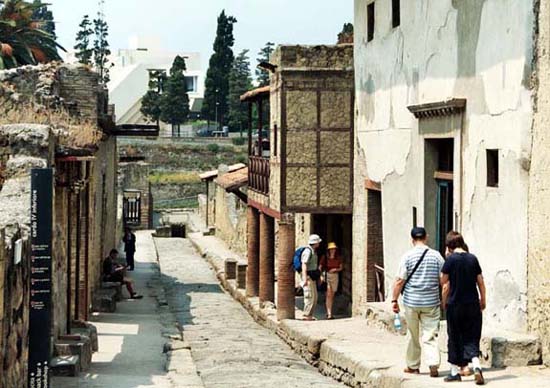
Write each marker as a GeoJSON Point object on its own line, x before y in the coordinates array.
{"type": "Point", "coordinates": [452, 379]}
{"type": "Point", "coordinates": [136, 296]}
{"type": "Point", "coordinates": [411, 371]}
{"type": "Point", "coordinates": [434, 372]}
{"type": "Point", "coordinates": [478, 376]}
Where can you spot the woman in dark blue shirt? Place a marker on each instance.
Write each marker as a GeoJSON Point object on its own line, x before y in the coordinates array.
{"type": "Point", "coordinates": [464, 299]}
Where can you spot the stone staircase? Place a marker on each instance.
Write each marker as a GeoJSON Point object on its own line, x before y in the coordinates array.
{"type": "Point", "coordinates": [73, 353]}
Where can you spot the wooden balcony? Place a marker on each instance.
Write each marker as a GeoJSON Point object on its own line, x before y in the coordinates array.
{"type": "Point", "coordinates": [258, 174]}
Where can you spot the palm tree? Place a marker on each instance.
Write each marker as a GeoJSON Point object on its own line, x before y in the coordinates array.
{"type": "Point", "coordinates": [23, 40]}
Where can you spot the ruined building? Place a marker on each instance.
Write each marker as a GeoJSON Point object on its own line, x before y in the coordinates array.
{"type": "Point", "coordinates": [54, 116]}
{"type": "Point", "coordinates": [300, 171]}
{"type": "Point", "coordinates": [452, 111]}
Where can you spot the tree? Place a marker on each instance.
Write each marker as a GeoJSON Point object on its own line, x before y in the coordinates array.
{"type": "Point", "coordinates": [150, 102]}
{"type": "Point", "coordinates": [217, 77]}
{"type": "Point", "coordinates": [346, 35]}
{"type": "Point", "coordinates": [101, 46]}
{"type": "Point", "coordinates": [23, 41]}
{"type": "Point", "coordinates": [83, 51]}
{"type": "Point", "coordinates": [263, 56]}
{"type": "Point", "coordinates": [45, 17]}
{"type": "Point", "coordinates": [174, 102]}
{"type": "Point", "coordinates": [240, 81]}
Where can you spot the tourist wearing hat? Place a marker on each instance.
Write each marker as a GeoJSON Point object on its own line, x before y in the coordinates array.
{"type": "Point", "coordinates": [310, 276]}
{"type": "Point", "coordinates": [418, 280]}
{"type": "Point", "coordinates": [333, 265]}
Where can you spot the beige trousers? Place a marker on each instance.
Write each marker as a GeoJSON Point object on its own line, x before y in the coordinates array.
{"type": "Point", "coordinates": [310, 297]}
{"type": "Point", "coordinates": [422, 325]}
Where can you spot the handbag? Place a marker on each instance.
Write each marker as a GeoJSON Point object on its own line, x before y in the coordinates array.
{"type": "Point", "coordinates": [414, 270]}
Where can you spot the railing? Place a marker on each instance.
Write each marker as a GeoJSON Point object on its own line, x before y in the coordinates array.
{"type": "Point", "coordinates": [258, 174]}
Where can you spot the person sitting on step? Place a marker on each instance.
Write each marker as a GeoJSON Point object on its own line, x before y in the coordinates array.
{"type": "Point", "coordinates": [113, 272]}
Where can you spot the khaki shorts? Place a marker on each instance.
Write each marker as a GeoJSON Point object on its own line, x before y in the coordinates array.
{"type": "Point", "coordinates": [332, 281]}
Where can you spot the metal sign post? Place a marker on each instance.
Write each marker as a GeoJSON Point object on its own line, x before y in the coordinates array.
{"type": "Point", "coordinates": [41, 278]}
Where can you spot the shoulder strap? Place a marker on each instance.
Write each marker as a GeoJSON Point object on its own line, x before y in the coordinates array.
{"type": "Point", "coordinates": [415, 267]}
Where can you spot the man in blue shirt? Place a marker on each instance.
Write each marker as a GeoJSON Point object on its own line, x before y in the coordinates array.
{"type": "Point", "coordinates": [418, 279]}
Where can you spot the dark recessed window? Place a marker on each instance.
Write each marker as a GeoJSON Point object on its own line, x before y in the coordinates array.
{"type": "Point", "coordinates": [370, 22]}
{"type": "Point", "coordinates": [395, 13]}
{"type": "Point", "coordinates": [492, 168]}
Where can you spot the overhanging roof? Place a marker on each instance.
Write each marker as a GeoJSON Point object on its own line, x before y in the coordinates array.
{"type": "Point", "coordinates": [233, 180]}
{"type": "Point", "coordinates": [256, 94]}
{"type": "Point", "coordinates": [209, 175]}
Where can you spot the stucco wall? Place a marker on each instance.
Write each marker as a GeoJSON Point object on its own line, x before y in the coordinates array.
{"type": "Point", "coordinates": [447, 49]}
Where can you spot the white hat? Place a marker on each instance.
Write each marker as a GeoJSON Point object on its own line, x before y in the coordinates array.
{"type": "Point", "coordinates": [314, 239]}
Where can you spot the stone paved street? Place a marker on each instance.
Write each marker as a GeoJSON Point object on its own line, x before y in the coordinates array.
{"type": "Point", "coordinates": [228, 347]}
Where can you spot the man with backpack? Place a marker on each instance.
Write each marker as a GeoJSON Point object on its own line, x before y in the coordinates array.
{"type": "Point", "coordinates": [306, 262]}
{"type": "Point", "coordinates": [418, 280]}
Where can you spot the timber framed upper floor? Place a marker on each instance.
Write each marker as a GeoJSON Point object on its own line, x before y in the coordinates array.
{"type": "Point", "coordinates": [304, 163]}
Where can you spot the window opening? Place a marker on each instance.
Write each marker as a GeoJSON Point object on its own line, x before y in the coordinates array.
{"type": "Point", "coordinates": [492, 168]}
{"type": "Point", "coordinates": [396, 13]}
{"type": "Point", "coordinates": [370, 22]}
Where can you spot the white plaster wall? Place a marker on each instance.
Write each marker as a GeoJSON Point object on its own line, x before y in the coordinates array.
{"type": "Point", "coordinates": [430, 57]}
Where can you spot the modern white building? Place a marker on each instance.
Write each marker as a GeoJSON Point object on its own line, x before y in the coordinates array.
{"type": "Point", "coordinates": [130, 77]}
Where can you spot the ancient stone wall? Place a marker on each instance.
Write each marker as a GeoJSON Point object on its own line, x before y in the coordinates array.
{"type": "Point", "coordinates": [29, 146]}
{"type": "Point", "coordinates": [538, 265]}
{"type": "Point", "coordinates": [230, 220]}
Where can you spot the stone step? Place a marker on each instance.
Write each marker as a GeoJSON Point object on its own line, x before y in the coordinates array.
{"type": "Point", "coordinates": [499, 348]}
{"type": "Point", "coordinates": [104, 300]}
{"type": "Point", "coordinates": [115, 286]}
{"type": "Point", "coordinates": [65, 366]}
{"type": "Point", "coordinates": [75, 345]}
{"type": "Point", "coordinates": [88, 330]}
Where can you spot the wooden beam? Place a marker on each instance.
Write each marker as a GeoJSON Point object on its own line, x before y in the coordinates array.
{"type": "Point", "coordinates": [372, 185]}
{"type": "Point", "coordinates": [242, 196]}
{"type": "Point", "coordinates": [444, 175]}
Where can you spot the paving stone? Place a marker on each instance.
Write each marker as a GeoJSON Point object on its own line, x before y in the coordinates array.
{"type": "Point", "coordinates": [228, 347]}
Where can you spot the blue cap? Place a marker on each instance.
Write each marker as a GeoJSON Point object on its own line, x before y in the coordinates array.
{"type": "Point", "coordinates": [418, 232]}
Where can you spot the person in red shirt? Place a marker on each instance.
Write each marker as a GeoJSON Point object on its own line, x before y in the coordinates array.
{"type": "Point", "coordinates": [331, 264]}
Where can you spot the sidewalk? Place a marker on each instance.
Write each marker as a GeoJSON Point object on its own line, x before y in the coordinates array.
{"type": "Point", "coordinates": [348, 349]}
{"type": "Point", "coordinates": [130, 343]}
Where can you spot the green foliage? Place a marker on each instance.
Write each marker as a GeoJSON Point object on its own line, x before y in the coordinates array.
{"type": "Point", "coordinates": [83, 51]}
{"type": "Point", "coordinates": [217, 76]}
{"type": "Point", "coordinates": [101, 47]}
{"type": "Point", "coordinates": [174, 102]}
{"type": "Point", "coordinates": [263, 56]}
{"type": "Point", "coordinates": [240, 82]}
{"type": "Point", "coordinates": [24, 40]}
{"type": "Point", "coordinates": [238, 141]}
{"type": "Point", "coordinates": [214, 148]}
{"type": "Point", "coordinates": [150, 102]}
{"type": "Point", "coordinates": [242, 158]}
{"type": "Point", "coordinates": [45, 17]}
{"type": "Point", "coordinates": [150, 105]}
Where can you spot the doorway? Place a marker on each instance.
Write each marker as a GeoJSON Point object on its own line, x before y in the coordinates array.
{"type": "Point", "coordinates": [375, 248]}
{"type": "Point", "coordinates": [338, 228]}
{"type": "Point", "coordinates": [438, 190]}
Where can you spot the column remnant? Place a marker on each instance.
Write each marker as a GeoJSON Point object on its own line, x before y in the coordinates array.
{"type": "Point", "coordinates": [286, 275]}
{"type": "Point", "coordinates": [253, 252]}
{"type": "Point", "coordinates": [267, 259]}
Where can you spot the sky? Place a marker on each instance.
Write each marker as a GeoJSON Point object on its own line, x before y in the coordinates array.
{"type": "Point", "coordinates": [190, 25]}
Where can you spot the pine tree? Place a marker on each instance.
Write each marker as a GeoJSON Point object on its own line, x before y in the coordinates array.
{"type": "Point", "coordinates": [150, 102]}
{"type": "Point", "coordinates": [174, 102]}
{"type": "Point", "coordinates": [217, 77]}
{"type": "Point", "coordinates": [45, 16]}
{"type": "Point", "coordinates": [240, 81]}
{"type": "Point", "coordinates": [82, 46]}
{"type": "Point", "coordinates": [101, 46]}
{"type": "Point", "coordinates": [263, 56]}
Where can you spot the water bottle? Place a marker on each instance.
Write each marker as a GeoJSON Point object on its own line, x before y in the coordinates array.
{"type": "Point", "coordinates": [397, 322]}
